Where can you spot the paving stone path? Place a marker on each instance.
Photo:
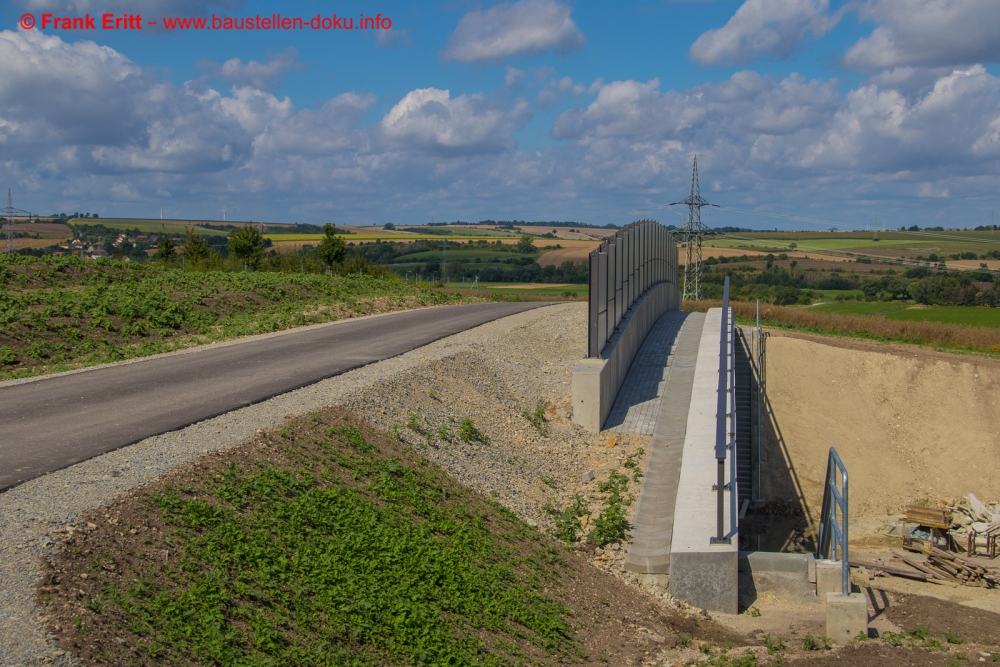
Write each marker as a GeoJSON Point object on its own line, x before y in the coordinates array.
{"type": "Point", "coordinates": [649, 548]}
{"type": "Point", "coordinates": [639, 398]}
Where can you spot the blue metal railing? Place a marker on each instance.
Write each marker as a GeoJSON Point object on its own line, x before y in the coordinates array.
{"type": "Point", "coordinates": [725, 433]}
{"type": "Point", "coordinates": [831, 530]}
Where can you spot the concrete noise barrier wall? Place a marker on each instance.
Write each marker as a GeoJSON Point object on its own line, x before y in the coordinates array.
{"type": "Point", "coordinates": [633, 282]}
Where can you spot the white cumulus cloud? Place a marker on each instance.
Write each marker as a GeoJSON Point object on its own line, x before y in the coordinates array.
{"type": "Point", "coordinates": [524, 27]}
{"type": "Point", "coordinates": [927, 33]}
{"type": "Point", "coordinates": [430, 119]}
{"type": "Point", "coordinates": [254, 74]}
{"type": "Point", "coordinates": [764, 28]}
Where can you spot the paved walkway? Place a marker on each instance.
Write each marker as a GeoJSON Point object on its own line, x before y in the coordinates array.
{"type": "Point", "coordinates": [639, 398]}
{"type": "Point", "coordinates": [649, 550]}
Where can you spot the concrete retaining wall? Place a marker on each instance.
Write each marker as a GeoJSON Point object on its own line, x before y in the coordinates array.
{"type": "Point", "coordinates": [596, 382]}
{"type": "Point", "coordinates": [703, 574]}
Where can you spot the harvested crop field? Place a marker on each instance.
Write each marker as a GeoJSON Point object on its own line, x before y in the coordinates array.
{"type": "Point", "coordinates": [576, 252]}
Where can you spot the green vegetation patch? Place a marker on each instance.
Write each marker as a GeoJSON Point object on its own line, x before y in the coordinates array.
{"type": "Point", "coordinates": [909, 312]}
{"type": "Point", "coordinates": [323, 544]}
{"type": "Point", "coordinates": [64, 312]}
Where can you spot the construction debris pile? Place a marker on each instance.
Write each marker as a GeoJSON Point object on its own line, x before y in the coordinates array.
{"type": "Point", "coordinates": [975, 527]}
{"type": "Point", "coordinates": [937, 542]}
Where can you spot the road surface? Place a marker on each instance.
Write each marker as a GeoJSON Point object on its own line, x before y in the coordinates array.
{"type": "Point", "coordinates": [54, 422]}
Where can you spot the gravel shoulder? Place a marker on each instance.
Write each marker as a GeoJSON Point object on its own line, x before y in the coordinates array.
{"type": "Point", "coordinates": [492, 374]}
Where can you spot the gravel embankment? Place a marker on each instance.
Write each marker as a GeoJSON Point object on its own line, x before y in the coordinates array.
{"type": "Point", "coordinates": [491, 374]}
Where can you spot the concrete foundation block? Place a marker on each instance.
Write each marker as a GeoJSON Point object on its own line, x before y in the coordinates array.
{"type": "Point", "coordinates": [770, 561]}
{"type": "Point", "coordinates": [829, 577]}
{"type": "Point", "coordinates": [706, 579]}
{"type": "Point", "coordinates": [846, 617]}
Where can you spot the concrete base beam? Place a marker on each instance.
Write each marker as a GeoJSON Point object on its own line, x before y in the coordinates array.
{"type": "Point", "coordinates": [769, 561]}
{"type": "Point", "coordinates": [829, 577]}
{"type": "Point", "coordinates": [704, 574]}
{"type": "Point", "coordinates": [706, 579]}
{"type": "Point", "coordinates": [846, 617]}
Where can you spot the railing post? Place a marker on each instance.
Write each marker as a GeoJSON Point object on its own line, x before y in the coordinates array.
{"type": "Point", "coordinates": [831, 532]}
{"type": "Point", "coordinates": [593, 344]}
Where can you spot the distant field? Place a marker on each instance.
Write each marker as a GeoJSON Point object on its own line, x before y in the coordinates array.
{"type": "Point", "coordinates": [169, 226]}
{"type": "Point", "coordinates": [834, 293]}
{"type": "Point", "coordinates": [578, 253]}
{"type": "Point", "coordinates": [898, 310]}
{"type": "Point", "coordinates": [554, 290]}
{"type": "Point", "coordinates": [44, 228]}
{"type": "Point", "coordinates": [811, 244]}
{"type": "Point", "coordinates": [891, 246]}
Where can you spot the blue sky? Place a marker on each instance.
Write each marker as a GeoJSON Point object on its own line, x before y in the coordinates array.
{"type": "Point", "coordinates": [534, 110]}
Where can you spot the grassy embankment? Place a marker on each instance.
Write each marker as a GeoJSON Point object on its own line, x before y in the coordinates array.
{"type": "Point", "coordinates": [62, 313]}
{"type": "Point", "coordinates": [328, 543]}
{"type": "Point", "coordinates": [984, 338]}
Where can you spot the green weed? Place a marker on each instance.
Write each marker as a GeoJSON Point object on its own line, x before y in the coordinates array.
{"type": "Point", "coordinates": [538, 420]}
{"type": "Point", "coordinates": [567, 522]}
{"type": "Point", "coordinates": [611, 524]}
{"type": "Point", "coordinates": [468, 432]}
{"type": "Point", "coordinates": [632, 464]}
{"type": "Point", "coordinates": [811, 643]}
{"type": "Point", "coordinates": [773, 644]}
{"type": "Point", "coordinates": [413, 423]}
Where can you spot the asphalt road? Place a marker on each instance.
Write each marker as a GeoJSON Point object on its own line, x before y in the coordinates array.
{"type": "Point", "coordinates": [52, 423]}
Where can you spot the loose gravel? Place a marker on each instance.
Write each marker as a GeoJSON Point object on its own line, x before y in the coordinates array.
{"type": "Point", "coordinates": [494, 375]}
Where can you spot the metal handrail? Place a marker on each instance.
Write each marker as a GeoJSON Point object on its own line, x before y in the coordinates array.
{"type": "Point", "coordinates": [829, 526]}
{"type": "Point", "coordinates": [722, 438]}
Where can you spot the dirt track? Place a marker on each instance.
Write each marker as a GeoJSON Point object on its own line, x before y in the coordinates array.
{"type": "Point", "coordinates": [908, 423]}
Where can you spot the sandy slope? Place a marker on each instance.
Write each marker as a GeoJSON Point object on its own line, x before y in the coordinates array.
{"type": "Point", "coordinates": [908, 423]}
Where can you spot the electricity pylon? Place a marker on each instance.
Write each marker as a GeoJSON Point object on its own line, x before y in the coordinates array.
{"type": "Point", "coordinates": [9, 212]}
{"type": "Point", "coordinates": [692, 234]}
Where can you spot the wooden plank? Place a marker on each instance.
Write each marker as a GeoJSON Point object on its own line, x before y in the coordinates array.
{"type": "Point", "coordinates": [927, 516]}
{"type": "Point", "coordinates": [889, 569]}
{"type": "Point", "coordinates": [929, 570]}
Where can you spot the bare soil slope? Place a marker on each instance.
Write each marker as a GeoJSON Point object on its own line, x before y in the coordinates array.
{"type": "Point", "coordinates": [908, 423]}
